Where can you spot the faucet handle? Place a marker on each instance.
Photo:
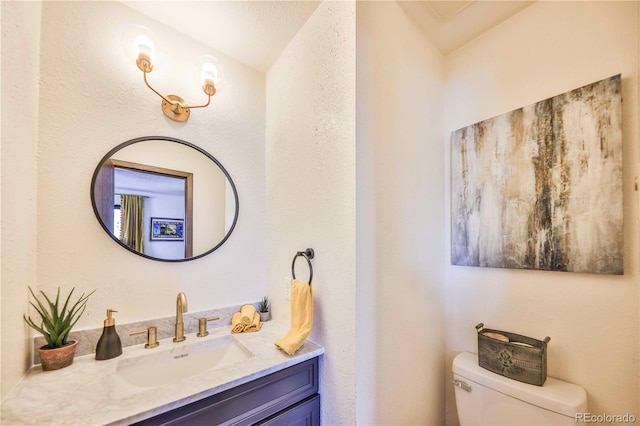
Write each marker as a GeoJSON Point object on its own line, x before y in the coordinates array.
{"type": "Point", "coordinates": [152, 337]}
{"type": "Point", "coordinates": [202, 325]}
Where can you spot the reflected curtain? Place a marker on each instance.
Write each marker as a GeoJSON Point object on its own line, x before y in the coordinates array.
{"type": "Point", "coordinates": [132, 208]}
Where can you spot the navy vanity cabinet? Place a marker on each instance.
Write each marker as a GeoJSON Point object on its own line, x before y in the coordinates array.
{"type": "Point", "coordinates": [286, 397]}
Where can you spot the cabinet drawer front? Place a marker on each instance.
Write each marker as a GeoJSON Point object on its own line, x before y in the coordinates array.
{"type": "Point", "coordinates": [305, 413]}
{"type": "Point", "coordinates": [248, 403]}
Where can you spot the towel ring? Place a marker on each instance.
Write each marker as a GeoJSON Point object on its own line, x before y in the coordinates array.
{"type": "Point", "coordinates": [307, 254]}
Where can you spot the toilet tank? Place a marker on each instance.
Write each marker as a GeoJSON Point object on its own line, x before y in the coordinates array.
{"type": "Point", "coordinates": [486, 398]}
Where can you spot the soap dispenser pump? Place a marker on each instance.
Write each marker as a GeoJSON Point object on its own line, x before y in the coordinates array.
{"type": "Point", "coordinates": [109, 345]}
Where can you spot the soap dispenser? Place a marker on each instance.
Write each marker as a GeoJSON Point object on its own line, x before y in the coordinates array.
{"type": "Point", "coordinates": [109, 345]}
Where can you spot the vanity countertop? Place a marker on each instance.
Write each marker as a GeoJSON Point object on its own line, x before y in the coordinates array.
{"type": "Point", "coordinates": [85, 392]}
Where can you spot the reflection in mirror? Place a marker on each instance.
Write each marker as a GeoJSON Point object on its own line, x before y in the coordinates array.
{"type": "Point", "coordinates": [164, 198]}
{"type": "Point", "coordinates": [166, 209]}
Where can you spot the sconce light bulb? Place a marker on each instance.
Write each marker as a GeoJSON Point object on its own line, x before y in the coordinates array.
{"type": "Point", "coordinates": [209, 87]}
{"type": "Point", "coordinates": [209, 73]}
{"type": "Point", "coordinates": [144, 62]}
{"type": "Point", "coordinates": [143, 45]}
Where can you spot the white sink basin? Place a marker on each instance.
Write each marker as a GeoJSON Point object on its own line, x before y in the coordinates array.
{"type": "Point", "coordinates": [172, 365]}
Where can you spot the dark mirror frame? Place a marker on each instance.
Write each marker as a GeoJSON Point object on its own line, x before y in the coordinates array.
{"type": "Point", "coordinates": [108, 156]}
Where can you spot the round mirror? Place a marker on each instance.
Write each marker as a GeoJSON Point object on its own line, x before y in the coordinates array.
{"type": "Point", "coordinates": [164, 199]}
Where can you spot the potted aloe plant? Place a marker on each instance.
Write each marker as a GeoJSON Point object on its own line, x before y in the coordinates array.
{"type": "Point", "coordinates": [55, 324]}
{"type": "Point", "coordinates": [264, 309]}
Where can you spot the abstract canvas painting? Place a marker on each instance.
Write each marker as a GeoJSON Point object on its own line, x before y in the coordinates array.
{"type": "Point", "coordinates": [541, 187]}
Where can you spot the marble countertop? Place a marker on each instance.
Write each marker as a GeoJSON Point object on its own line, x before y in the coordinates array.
{"type": "Point", "coordinates": [86, 392]}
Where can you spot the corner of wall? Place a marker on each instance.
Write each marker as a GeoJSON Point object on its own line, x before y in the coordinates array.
{"type": "Point", "coordinates": [400, 215]}
{"type": "Point", "coordinates": [310, 160]}
{"type": "Point", "coordinates": [20, 83]}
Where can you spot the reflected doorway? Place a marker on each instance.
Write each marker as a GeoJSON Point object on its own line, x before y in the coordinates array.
{"type": "Point", "coordinates": [167, 193]}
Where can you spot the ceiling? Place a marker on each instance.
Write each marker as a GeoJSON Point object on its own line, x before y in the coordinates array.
{"type": "Point", "coordinates": [452, 24]}
{"type": "Point", "coordinates": [256, 32]}
{"type": "Point", "coordinates": [252, 32]}
{"type": "Point", "coordinates": [129, 181]}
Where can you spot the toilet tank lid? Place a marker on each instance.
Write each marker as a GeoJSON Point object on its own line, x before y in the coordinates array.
{"type": "Point", "coordinates": [555, 395]}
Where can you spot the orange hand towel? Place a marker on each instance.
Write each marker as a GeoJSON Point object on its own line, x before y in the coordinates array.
{"type": "Point", "coordinates": [236, 324]}
{"type": "Point", "coordinates": [301, 317]}
{"type": "Point", "coordinates": [255, 325]}
{"type": "Point", "coordinates": [247, 312]}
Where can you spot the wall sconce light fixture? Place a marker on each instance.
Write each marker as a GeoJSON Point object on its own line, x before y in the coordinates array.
{"type": "Point", "coordinates": [173, 106]}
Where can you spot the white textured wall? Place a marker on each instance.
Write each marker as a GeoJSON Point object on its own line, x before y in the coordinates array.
{"type": "Point", "coordinates": [106, 103]}
{"type": "Point", "coordinates": [311, 195]}
{"type": "Point", "coordinates": [20, 66]}
{"type": "Point", "coordinates": [547, 49]}
{"type": "Point", "coordinates": [92, 99]}
{"type": "Point", "coordinates": [400, 177]}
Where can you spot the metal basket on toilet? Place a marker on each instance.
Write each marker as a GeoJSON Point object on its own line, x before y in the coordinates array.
{"type": "Point", "coordinates": [511, 355]}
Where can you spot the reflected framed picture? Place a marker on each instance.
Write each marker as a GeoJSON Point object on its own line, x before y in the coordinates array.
{"type": "Point", "coordinates": [165, 229]}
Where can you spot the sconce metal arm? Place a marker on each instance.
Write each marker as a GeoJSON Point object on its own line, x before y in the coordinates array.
{"type": "Point", "coordinates": [202, 106]}
{"type": "Point", "coordinates": [144, 73]}
{"type": "Point", "coordinates": [173, 102]}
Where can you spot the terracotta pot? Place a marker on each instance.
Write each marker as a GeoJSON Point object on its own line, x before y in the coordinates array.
{"type": "Point", "coordinates": [54, 359]}
{"type": "Point", "coordinates": [265, 316]}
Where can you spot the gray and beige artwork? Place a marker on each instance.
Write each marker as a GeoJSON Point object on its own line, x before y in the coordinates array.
{"type": "Point", "coordinates": [541, 187]}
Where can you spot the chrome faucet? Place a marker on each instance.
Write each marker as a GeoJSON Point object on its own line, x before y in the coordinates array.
{"type": "Point", "coordinates": [181, 307]}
